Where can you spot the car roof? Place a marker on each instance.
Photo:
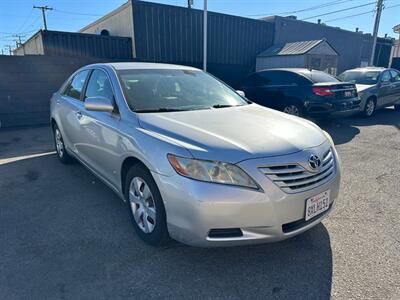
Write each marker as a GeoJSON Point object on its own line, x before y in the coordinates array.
{"type": "Point", "coordinates": [364, 69]}
{"type": "Point", "coordinates": [294, 70]}
{"type": "Point", "coordinates": [142, 66]}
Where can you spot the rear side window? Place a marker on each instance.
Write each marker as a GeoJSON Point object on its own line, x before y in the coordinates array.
{"type": "Point", "coordinates": [284, 78]}
{"type": "Point", "coordinates": [318, 76]}
{"type": "Point", "coordinates": [74, 88]}
{"type": "Point", "coordinates": [99, 86]}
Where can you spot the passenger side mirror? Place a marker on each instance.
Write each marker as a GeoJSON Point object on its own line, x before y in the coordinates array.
{"type": "Point", "coordinates": [99, 104]}
{"type": "Point", "coordinates": [241, 93]}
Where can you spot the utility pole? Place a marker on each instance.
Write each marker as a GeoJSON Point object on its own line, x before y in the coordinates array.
{"type": "Point", "coordinates": [9, 49]}
{"type": "Point", "coordinates": [18, 36]}
{"type": "Point", "coordinates": [189, 3]}
{"type": "Point", "coordinates": [205, 37]}
{"type": "Point", "coordinates": [43, 9]}
{"type": "Point", "coordinates": [379, 7]}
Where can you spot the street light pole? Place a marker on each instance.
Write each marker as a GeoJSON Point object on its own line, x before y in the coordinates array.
{"type": "Point", "coordinates": [379, 7]}
{"type": "Point", "coordinates": [205, 36]}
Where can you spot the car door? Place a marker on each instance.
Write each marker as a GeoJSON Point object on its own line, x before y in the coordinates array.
{"type": "Point", "coordinates": [100, 141]}
{"type": "Point", "coordinates": [262, 89]}
{"type": "Point", "coordinates": [70, 104]}
{"type": "Point", "coordinates": [395, 85]}
{"type": "Point", "coordinates": [253, 88]}
{"type": "Point", "coordinates": [385, 89]}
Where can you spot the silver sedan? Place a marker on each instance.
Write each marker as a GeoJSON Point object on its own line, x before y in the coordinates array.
{"type": "Point", "coordinates": [193, 159]}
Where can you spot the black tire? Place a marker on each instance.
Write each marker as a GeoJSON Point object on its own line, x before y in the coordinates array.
{"type": "Point", "coordinates": [397, 107]}
{"type": "Point", "coordinates": [159, 235]}
{"type": "Point", "coordinates": [62, 153]}
{"type": "Point", "coordinates": [293, 108]}
{"type": "Point", "coordinates": [369, 108]}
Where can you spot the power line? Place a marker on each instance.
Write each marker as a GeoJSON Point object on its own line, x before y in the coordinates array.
{"type": "Point", "coordinates": [337, 2]}
{"type": "Point", "coordinates": [350, 16]}
{"type": "Point", "coordinates": [75, 13]}
{"type": "Point", "coordinates": [340, 10]}
{"type": "Point", "coordinates": [360, 14]}
{"type": "Point", "coordinates": [26, 20]}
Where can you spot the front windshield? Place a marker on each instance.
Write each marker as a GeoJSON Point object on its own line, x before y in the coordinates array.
{"type": "Point", "coordinates": [149, 90]}
{"type": "Point", "coordinates": [368, 77]}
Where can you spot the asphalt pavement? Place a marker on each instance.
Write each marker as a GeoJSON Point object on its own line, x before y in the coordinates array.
{"type": "Point", "coordinates": [65, 235]}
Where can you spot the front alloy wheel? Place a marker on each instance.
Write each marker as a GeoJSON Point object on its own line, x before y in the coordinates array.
{"type": "Point", "coordinates": [369, 108]}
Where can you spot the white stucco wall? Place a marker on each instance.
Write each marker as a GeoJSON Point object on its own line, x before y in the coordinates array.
{"type": "Point", "coordinates": [33, 46]}
{"type": "Point", "coordinates": [118, 23]}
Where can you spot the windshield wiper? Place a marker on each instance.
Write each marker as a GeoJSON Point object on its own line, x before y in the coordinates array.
{"type": "Point", "coordinates": [228, 105]}
{"type": "Point", "coordinates": [223, 105]}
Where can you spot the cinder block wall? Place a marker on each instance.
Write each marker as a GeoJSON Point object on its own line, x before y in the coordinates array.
{"type": "Point", "coordinates": [27, 84]}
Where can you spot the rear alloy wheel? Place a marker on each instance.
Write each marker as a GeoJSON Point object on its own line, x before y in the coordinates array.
{"type": "Point", "coordinates": [146, 206]}
{"type": "Point", "coordinates": [369, 107]}
{"type": "Point", "coordinates": [62, 153]}
{"type": "Point", "coordinates": [292, 109]}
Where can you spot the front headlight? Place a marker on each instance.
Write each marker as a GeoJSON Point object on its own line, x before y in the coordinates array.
{"type": "Point", "coordinates": [211, 171]}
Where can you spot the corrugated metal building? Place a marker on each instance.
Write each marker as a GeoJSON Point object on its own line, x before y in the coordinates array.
{"type": "Point", "coordinates": [317, 54]}
{"type": "Point", "coordinates": [171, 34]}
{"type": "Point", "coordinates": [354, 48]}
{"type": "Point", "coordinates": [46, 42]}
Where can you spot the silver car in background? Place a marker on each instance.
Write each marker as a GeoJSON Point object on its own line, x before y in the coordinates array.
{"type": "Point", "coordinates": [193, 159]}
{"type": "Point", "coordinates": [377, 87]}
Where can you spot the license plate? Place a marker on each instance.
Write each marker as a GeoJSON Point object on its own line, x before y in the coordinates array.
{"type": "Point", "coordinates": [348, 94]}
{"type": "Point", "coordinates": [317, 205]}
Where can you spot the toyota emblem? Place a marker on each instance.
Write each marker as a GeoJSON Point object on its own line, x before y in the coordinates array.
{"type": "Point", "coordinates": [314, 162]}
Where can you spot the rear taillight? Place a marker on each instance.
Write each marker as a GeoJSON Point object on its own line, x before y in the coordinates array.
{"type": "Point", "coordinates": [322, 91]}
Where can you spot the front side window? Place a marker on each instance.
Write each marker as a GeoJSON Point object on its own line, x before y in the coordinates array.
{"type": "Point", "coordinates": [395, 75]}
{"type": "Point", "coordinates": [74, 88]}
{"type": "Point", "coordinates": [358, 77]}
{"type": "Point", "coordinates": [386, 76]}
{"type": "Point", "coordinates": [99, 86]}
{"type": "Point", "coordinates": [158, 90]}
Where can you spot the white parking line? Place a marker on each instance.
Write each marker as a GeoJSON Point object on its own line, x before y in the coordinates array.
{"type": "Point", "coordinates": [18, 158]}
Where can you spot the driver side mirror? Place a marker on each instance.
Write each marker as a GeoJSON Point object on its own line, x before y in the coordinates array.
{"type": "Point", "coordinates": [99, 104]}
{"type": "Point", "coordinates": [241, 93]}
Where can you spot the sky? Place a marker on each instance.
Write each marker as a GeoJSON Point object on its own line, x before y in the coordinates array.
{"type": "Point", "coordinates": [19, 17]}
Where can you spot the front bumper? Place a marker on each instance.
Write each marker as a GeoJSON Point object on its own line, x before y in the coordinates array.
{"type": "Point", "coordinates": [339, 107]}
{"type": "Point", "coordinates": [194, 208]}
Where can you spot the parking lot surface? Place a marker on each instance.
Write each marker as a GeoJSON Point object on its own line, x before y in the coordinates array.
{"type": "Point", "coordinates": [65, 235]}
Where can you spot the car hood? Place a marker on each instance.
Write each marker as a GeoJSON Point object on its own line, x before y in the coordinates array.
{"type": "Point", "coordinates": [236, 133]}
{"type": "Point", "coordinates": [363, 87]}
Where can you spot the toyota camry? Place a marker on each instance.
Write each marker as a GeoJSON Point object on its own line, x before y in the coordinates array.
{"type": "Point", "coordinates": [193, 159]}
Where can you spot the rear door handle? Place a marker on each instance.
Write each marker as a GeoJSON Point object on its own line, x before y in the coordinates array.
{"type": "Point", "coordinates": [78, 115]}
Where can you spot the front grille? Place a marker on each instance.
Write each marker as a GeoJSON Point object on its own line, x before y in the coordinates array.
{"type": "Point", "coordinates": [293, 178]}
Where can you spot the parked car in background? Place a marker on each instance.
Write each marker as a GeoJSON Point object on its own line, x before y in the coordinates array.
{"type": "Point", "coordinates": [301, 92]}
{"type": "Point", "coordinates": [192, 158]}
{"type": "Point", "coordinates": [377, 87]}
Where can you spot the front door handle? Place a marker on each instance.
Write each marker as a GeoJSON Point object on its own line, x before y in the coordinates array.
{"type": "Point", "coordinates": [78, 115]}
